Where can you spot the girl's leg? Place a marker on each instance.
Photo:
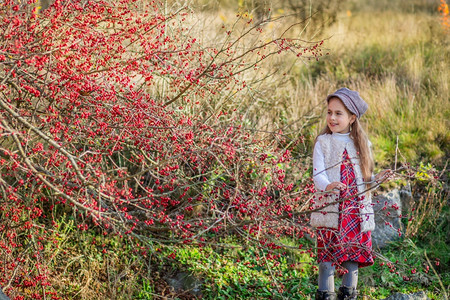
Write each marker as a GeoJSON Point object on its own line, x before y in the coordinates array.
{"type": "Point", "coordinates": [326, 277]}
{"type": "Point", "coordinates": [350, 279]}
{"type": "Point", "coordinates": [348, 289]}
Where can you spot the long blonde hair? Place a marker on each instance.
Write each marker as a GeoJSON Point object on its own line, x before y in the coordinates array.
{"type": "Point", "coordinates": [363, 150]}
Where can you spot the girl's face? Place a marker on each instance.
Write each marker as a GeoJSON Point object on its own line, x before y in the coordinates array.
{"type": "Point", "coordinates": [339, 118]}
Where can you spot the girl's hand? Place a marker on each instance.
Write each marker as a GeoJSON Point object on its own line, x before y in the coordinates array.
{"type": "Point", "coordinates": [335, 187]}
{"type": "Point", "coordinates": [384, 175]}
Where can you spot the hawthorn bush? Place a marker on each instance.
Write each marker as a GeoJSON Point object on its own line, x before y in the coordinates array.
{"type": "Point", "coordinates": [114, 111]}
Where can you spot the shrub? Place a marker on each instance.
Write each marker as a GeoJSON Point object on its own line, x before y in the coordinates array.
{"type": "Point", "coordinates": [112, 110]}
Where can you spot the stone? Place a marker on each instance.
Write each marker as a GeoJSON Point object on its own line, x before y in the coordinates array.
{"type": "Point", "coordinates": [407, 199]}
{"type": "Point", "coordinates": [44, 4]}
{"type": "Point", "coordinates": [415, 296]}
{"type": "Point", "coordinates": [184, 282]}
{"type": "Point", "coordinates": [2, 295]}
{"type": "Point", "coordinates": [388, 226]}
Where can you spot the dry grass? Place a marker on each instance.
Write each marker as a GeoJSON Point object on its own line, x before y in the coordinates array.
{"type": "Point", "coordinates": [398, 62]}
{"type": "Point", "coordinates": [396, 59]}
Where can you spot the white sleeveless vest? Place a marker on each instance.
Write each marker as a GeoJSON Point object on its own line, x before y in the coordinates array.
{"type": "Point", "coordinates": [329, 216]}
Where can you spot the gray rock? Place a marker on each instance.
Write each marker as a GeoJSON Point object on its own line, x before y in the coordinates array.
{"type": "Point", "coordinates": [407, 199]}
{"type": "Point", "coordinates": [185, 282]}
{"type": "Point", "coordinates": [45, 3]}
{"type": "Point", "coordinates": [2, 295]}
{"type": "Point", "coordinates": [416, 296]}
{"type": "Point", "coordinates": [388, 209]}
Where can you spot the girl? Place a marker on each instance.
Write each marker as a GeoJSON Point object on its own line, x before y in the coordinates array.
{"type": "Point", "coordinates": [343, 166]}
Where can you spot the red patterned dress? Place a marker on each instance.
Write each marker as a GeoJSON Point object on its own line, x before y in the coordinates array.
{"type": "Point", "coordinates": [347, 243]}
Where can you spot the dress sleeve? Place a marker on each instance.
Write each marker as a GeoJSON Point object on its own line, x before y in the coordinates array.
{"type": "Point", "coordinates": [321, 180]}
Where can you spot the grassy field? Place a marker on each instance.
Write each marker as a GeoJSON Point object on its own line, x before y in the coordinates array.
{"type": "Point", "coordinates": [398, 60]}
{"type": "Point", "coordinates": [395, 54]}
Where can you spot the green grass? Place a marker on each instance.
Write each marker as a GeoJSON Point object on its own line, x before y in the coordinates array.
{"type": "Point", "coordinates": [237, 269]}
{"type": "Point", "coordinates": [403, 268]}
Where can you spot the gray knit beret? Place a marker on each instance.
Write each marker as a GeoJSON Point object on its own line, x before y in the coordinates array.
{"type": "Point", "coordinates": [351, 99]}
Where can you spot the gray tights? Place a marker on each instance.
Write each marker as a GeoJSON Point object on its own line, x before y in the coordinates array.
{"type": "Point", "coordinates": [326, 275]}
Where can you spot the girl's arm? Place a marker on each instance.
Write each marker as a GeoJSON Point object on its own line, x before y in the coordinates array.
{"type": "Point", "coordinates": [321, 180]}
{"type": "Point", "coordinates": [320, 177]}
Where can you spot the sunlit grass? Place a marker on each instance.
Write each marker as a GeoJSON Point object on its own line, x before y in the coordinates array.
{"type": "Point", "coordinates": [396, 59]}
{"type": "Point", "coordinates": [397, 62]}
